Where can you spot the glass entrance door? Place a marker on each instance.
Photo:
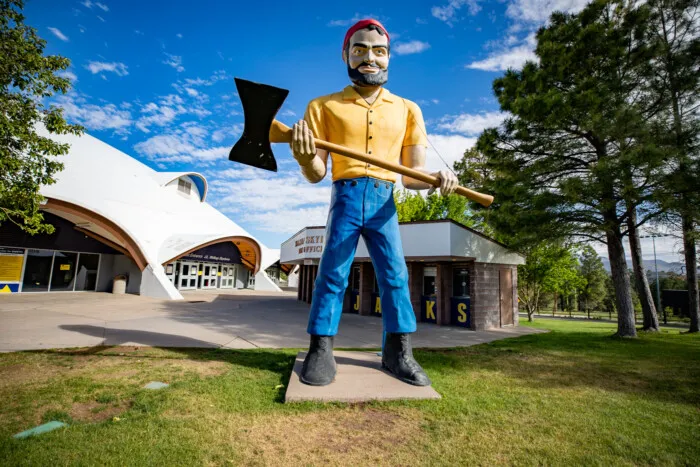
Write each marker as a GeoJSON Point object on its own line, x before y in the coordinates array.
{"type": "Point", "coordinates": [188, 276]}
{"type": "Point", "coordinates": [227, 277]}
{"type": "Point", "coordinates": [209, 276]}
{"type": "Point", "coordinates": [37, 272]}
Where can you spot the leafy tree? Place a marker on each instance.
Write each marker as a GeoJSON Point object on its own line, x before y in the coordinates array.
{"type": "Point", "coordinates": [549, 268]}
{"type": "Point", "coordinates": [412, 206]}
{"type": "Point", "coordinates": [576, 157]}
{"type": "Point", "coordinates": [674, 77]}
{"type": "Point", "coordinates": [595, 277]}
{"type": "Point", "coordinates": [27, 160]}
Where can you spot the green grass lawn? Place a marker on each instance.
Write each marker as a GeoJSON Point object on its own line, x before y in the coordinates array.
{"type": "Point", "coordinates": [571, 396]}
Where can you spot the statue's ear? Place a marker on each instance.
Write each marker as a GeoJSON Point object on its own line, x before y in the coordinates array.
{"type": "Point", "coordinates": [344, 55]}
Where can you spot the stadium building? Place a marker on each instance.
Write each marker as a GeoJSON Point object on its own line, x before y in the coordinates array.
{"type": "Point", "coordinates": [114, 216]}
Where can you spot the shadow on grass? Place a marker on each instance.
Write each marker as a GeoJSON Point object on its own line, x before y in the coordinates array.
{"type": "Point", "coordinates": [665, 368]}
{"type": "Point", "coordinates": [176, 346]}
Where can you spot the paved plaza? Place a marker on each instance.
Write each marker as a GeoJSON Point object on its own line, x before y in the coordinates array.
{"type": "Point", "coordinates": [239, 319]}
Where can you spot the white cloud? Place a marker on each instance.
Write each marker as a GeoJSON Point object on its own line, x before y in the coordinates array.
{"type": "Point", "coordinates": [95, 117]}
{"type": "Point", "coordinates": [102, 6]}
{"type": "Point", "coordinates": [509, 58]}
{"type": "Point", "coordinates": [198, 82]}
{"type": "Point", "coordinates": [208, 154]}
{"type": "Point", "coordinates": [450, 147]}
{"type": "Point", "coordinates": [413, 47]}
{"type": "Point", "coordinates": [232, 131]}
{"type": "Point", "coordinates": [68, 74]}
{"type": "Point", "coordinates": [87, 4]}
{"type": "Point", "coordinates": [159, 115]}
{"type": "Point", "coordinates": [256, 196]}
{"type": "Point", "coordinates": [191, 92]}
{"type": "Point", "coordinates": [471, 124]}
{"type": "Point", "coordinates": [174, 61]}
{"type": "Point", "coordinates": [101, 18]}
{"type": "Point", "coordinates": [525, 16]}
{"type": "Point", "coordinates": [538, 11]}
{"type": "Point", "coordinates": [188, 143]}
{"type": "Point", "coordinates": [349, 22]}
{"type": "Point", "coordinates": [57, 32]}
{"type": "Point", "coordinates": [178, 35]}
{"type": "Point", "coordinates": [138, 33]}
{"type": "Point", "coordinates": [448, 13]}
{"type": "Point", "coordinates": [288, 113]}
{"type": "Point", "coordinates": [114, 67]}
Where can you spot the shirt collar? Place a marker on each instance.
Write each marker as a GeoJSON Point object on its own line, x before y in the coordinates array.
{"type": "Point", "coordinates": [349, 94]}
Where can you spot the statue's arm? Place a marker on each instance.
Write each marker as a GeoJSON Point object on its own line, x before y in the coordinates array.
{"type": "Point", "coordinates": [414, 157]}
{"type": "Point", "coordinates": [313, 161]}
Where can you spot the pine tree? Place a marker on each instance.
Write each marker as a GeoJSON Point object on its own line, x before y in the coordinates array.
{"type": "Point", "coordinates": [569, 162]}
{"type": "Point", "coordinates": [593, 272]}
{"type": "Point", "coordinates": [674, 77]}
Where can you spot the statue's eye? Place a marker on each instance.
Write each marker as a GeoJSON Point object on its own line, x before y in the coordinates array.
{"type": "Point", "coordinates": [357, 51]}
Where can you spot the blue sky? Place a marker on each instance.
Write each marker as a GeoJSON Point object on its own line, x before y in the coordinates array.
{"type": "Point", "coordinates": [155, 80]}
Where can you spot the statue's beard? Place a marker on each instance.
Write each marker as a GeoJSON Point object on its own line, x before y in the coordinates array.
{"type": "Point", "coordinates": [370, 79]}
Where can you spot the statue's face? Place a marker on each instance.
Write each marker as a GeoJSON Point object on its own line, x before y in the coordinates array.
{"type": "Point", "coordinates": [368, 58]}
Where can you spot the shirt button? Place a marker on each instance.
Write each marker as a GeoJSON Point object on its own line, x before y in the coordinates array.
{"type": "Point", "coordinates": [371, 111]}
{"type": "Point", "coordinates": [376, 184]}
{"type": "Point", "coordinates": [370, 122]}
{"type": "Point", "coordinates": [369, 152]}
{"type": "Point", "coordinates": [370, 137]}
{"type": "Point", "coordinates": [354, 182]}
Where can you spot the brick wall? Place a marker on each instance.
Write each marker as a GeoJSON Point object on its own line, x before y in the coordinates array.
{"type": "Point", "coordinates": [415, 286]}
{"type": "Point", "coordinates": [485, 295]}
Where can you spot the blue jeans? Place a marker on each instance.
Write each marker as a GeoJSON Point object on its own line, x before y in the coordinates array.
{"type": "Point", "coordinates": [362, 206]}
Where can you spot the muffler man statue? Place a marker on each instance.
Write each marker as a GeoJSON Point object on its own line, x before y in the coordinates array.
{"type": "Point", "coordinates": [367, 117]}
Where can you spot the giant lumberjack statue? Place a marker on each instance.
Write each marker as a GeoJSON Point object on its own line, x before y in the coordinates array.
{"type": "Point", "coordinates": [368, 118]}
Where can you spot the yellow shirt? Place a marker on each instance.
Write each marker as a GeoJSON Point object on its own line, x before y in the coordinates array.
{"type": "Point", "coordinates": [380, 129]}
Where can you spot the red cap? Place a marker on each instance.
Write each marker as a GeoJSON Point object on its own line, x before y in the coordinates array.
{"type": "Point", "coordinates": [361, 25]}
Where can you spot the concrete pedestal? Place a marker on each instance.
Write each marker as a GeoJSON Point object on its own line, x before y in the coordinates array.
{"type": "Point", "coordinates": [360, 378]}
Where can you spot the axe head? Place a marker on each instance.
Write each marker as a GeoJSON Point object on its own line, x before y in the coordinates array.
{"type": "Point", "coordinates": [260, 105]}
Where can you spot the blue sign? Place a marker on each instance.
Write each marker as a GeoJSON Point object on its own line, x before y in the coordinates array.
{"type": "Point", "coordinates": [375, 308]}
{"type": "Point", "coordinates": [9, 287]}
{"type": "Point", "coordinates": [460, 312]}
{"type": "Point", "coordinates": [428, 309]}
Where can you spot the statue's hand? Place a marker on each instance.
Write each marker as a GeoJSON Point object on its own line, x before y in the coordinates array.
{"type": "Point", "coordinates": [448, 182]}
{"type": "Point", "coordinates": [302, 145]}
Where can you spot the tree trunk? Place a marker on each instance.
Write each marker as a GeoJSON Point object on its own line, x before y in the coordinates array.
{"type": "Point", "coordinates": [691, 268]}
{"type": "Point", "coordinates": [650, 318]}
{"type": "Point", "coordinates": [621, 281]}
{"type": "Point", "coordinates": [556, 299]}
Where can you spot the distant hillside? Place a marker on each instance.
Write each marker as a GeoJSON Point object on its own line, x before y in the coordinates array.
{"type": "Point", "coordinates": [663, 266]}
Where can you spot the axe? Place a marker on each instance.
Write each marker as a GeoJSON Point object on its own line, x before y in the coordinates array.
{"type": "Point", "coordinates": [261, 103]}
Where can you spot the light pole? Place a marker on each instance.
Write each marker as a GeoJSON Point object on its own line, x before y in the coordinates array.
{"type": "Point", "coordinates": [656, 270]}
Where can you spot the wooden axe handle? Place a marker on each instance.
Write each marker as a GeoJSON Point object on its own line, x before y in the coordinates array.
{"type": "Point", "coordinates": [280, 133]}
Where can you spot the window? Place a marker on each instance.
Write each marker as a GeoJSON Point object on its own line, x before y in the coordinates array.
{"type": "Point", "coordinates": [429, 275]}
{"type": "Point", "coordinates": [184, 186]}
{"type": "Point", "coordinates": [460, 282]}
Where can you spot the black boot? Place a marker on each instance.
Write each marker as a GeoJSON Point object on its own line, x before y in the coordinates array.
{"type": "Point", "coordinates": [319, 364]}
{"type": "Point", "coordinates": [397, 358]}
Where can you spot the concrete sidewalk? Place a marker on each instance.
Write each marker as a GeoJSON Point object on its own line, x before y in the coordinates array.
{"type": "Point", "coordinates": [239, 319]}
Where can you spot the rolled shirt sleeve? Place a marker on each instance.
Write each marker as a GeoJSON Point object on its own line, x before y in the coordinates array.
{"type": "Point", "coordinates": [314, 118]}
{"type": "Point", "coordinates": [415, 126]}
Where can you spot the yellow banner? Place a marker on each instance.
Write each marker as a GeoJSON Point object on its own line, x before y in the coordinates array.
{"type": "Point", "coordinates": [10, 268]}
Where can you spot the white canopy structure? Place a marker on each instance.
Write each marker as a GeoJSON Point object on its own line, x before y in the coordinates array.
{"type": "Point", "coordinates": [152, 217]}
